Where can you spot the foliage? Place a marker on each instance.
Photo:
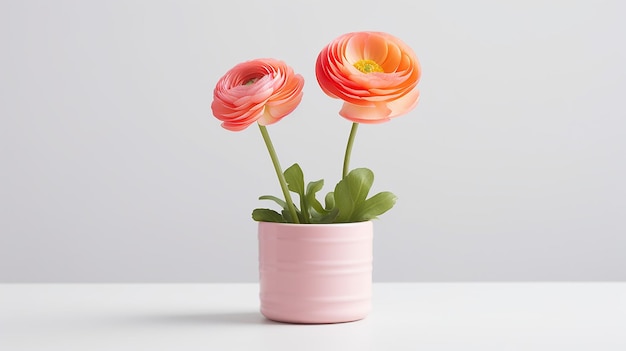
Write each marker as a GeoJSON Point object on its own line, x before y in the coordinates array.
{"type": "Point", "coordinates": [349, 202]}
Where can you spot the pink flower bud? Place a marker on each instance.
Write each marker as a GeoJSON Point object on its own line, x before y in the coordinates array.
{"type": "Point", "coordinates": [263, 90]}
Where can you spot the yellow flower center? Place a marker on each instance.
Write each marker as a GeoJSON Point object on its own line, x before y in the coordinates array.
{"type": "Point", "coordinates": [368, 66]}
{"type": "Point", "coordinates": [251, 81]}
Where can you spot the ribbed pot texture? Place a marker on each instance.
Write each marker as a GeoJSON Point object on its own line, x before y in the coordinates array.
{"type": "Point", "coordinates": [315, 273]}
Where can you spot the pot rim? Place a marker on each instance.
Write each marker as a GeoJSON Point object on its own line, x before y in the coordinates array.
{"type": "Point", "coordinates": [348, 224]}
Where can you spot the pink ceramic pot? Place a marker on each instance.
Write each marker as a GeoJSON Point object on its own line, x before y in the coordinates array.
{"type": "Point", "coordinates": [315, 273]}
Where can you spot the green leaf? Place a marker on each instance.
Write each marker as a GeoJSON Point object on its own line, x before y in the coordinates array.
{"type": "Point", "coordinates": [314, 187]}
{"type": "Point", "coordinates": [279, 201]}
{"type": "Point", "coordinates": [374, 206]}
{"type": "Point", "coordinates": [329, 217]}
{"type": "Point", "coordinates": [351, 192]}
{"type": "Point", "coordinates": [295, 182]}
{"type": "Point", "coordinates": [311, 189]}
{"type": "Point", "coordinates": [289, 219]}
{"type": "Point", "coordinates": [295, 179]}
{"type": "Point", "coordinates": [329, 201]}
{"type": "Point", "coordinates": [267, 215]}
{"type": "Point", "coordinates": [287, 216]}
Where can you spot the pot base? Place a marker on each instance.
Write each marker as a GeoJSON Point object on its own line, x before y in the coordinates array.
{"type": "Point", "coordinates": [290, 320]}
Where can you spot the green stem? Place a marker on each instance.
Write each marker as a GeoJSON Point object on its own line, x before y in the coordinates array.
{"type": "Point", "coordinates": [279, 173]}
{"type": "Point", "coordinates": [346, 158]}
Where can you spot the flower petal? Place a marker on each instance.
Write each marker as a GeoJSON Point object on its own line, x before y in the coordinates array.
{"type": "Point", "coordinates": [404, 104]}
{"type": "Point", "coordinates": [375, 48]}
{"type": "Point", "coordinates": [368, 114]}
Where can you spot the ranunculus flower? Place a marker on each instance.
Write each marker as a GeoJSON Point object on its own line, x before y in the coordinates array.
{"type": "Point", "coordinates": [263, 90]}
{"type": "Point", "coordinates": [374, 73]}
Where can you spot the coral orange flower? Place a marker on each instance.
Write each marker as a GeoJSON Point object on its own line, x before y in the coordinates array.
{"type": "Point", "coordinates": [263, 90]}
{"type": "Point", "coordinates": [374, 73]}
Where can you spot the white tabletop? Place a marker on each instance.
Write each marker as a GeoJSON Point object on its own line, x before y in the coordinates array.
{"type": "Point", "coordinates": [405, 316]}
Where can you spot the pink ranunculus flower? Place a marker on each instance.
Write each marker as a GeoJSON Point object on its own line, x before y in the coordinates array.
{"type": "Point", "coordinates": [374, 73]}
{"type": "Point", "coordinates": [263, 90]}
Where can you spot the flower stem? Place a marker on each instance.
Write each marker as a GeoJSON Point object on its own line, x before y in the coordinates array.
{"type": "Point", "coordinates": [346, 158]}
{"type": "Point", "coordinates": [279, 173]}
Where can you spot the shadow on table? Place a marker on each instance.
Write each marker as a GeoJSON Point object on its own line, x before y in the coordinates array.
{"type": "Point", "coordinates": [199, 318]}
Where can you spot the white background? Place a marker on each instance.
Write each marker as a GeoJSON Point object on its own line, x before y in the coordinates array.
{"type": "Point", "coordinates": [114, 170]}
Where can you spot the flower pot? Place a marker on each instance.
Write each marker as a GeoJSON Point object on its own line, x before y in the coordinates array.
{"type": "Point", "coordinates": [315, 273]}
